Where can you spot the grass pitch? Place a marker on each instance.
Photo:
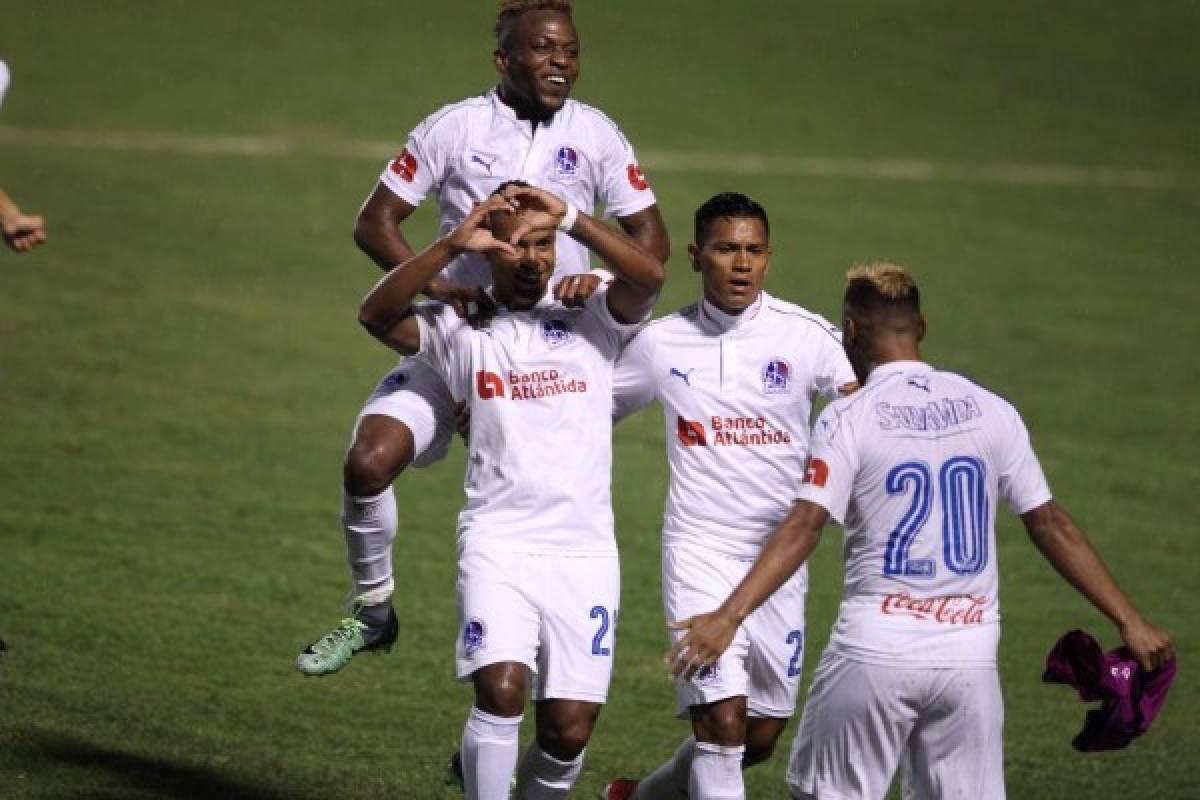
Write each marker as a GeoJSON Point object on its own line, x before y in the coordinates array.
{"type": "Point", "coordinates": [180, 366]}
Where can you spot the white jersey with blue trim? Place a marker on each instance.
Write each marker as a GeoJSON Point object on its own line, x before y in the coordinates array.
{"type": "Point", "coordinates": [462, 152]}
{"type": "Point", "coordinates": [912, 466]}
{"type": "Point", "coordinates": [737, 394]}
{"type": "Point", "coordinates": [538, 384]}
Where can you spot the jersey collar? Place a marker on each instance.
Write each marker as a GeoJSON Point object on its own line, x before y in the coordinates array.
{"type": "Point", "coordinates": [723, 322]}
{"type": "Point", "coordinates": [508, 112]}
{"type": "Point", "coordinates": [896, 368]}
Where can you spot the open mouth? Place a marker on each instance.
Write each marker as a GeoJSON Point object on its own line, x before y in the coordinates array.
{"type": "Point", "coordinates": [557, 81]}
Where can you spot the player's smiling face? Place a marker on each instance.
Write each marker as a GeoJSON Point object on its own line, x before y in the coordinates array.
{"type": "Point", "coordinates": [732, 261]}
{"type": "Point", "coordinates": [519, 283]}
{"type": "Point", "coordinates": [540, 63]}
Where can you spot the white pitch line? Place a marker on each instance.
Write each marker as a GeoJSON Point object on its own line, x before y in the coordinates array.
{"type": "Point", "coordinates": [654, 161]}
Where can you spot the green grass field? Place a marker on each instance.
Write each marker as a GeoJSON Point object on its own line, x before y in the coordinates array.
{"type": "Point", "coordinates": [180, 365]}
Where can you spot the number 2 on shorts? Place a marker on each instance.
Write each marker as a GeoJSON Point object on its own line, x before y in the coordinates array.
{"type": "Point", "coordinates": [597, 647]}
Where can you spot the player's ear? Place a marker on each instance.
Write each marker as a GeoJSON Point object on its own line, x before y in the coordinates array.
{"type": "Point", "coordinates": [694, 256]}
{"type": "Point", "coordinates": [500, 60]}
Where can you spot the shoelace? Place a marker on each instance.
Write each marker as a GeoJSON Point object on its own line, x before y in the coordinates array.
{"type": "Point", "coordinates": [342, 633]}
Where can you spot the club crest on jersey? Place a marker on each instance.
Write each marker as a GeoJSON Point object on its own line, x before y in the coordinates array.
{"type": "Point", "coordinates": [566, 162]}
{"type": "Point", "coordinates": [777, 377]}
{"type": "Point", "coordinates": [474, 636]}
{"type": "Point", "coordinates": [556, 332]}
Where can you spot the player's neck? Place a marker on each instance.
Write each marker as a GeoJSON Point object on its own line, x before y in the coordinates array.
{"type": "Point", "coordinates": [529, 112]}
{"type": "Point", "coordinates": [889, 350]}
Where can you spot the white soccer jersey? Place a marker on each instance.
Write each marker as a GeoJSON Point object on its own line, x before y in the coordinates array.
{"type": "Point", "coordinates": [737, 394]}
{"type": "Point", "coordinates": [912, 466]}
{"type": "Point", "coordinates": [465, 150]}
{"type": "Point", "coordinates": [539, 387]}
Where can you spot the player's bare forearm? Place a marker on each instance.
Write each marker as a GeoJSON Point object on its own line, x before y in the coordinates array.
{"type": "Point", "coordinates": [639, 273]}
{"type": "Point", "coordinates": [1068, 550]}
{"type": "Point", "coordinates": [646, 227]}
{"type": "Point", "coordinates": [386, 311]}
{"type": "Point", "coordinates": [709, 635]}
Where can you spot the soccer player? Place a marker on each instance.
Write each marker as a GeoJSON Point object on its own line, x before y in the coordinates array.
{"type": "Point", "coordinates": [22, 232]}
{"type": "Point", "coordinates": [912, 466]}
{"type": "Point", "coordinates": [538, 583]}
{"type": "Point", "coordinates": [736, 374]}
{"type": "Point", "coordinates": [527, 128]}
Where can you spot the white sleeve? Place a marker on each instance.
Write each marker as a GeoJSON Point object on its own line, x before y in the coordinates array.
{"type": "Point", "coordinates": [618, 333]}
{"type": "Point", "coordinates": [420, 166]}
{"type": "Point", "coordinates": [1022, 483]}
{"type": "Point", "coordinates": [634, 386]}
{"type": "Point", "coordinates": [833, 368]}
{"type": "Point", "coordinates": [438, 325]}
{"type": "Point", "coordinates": [832, 464]}
{"type": "Point", "coordinates": [620, 185]}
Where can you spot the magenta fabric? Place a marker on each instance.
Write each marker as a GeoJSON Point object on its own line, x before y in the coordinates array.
{"type": "Point", "coordinates": [1130, 698]}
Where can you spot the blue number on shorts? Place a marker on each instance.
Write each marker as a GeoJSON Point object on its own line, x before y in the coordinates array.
{"type": "Point", "coordinates": [963, 492]}
{"type": "Point", "coordinates": [965, 515]}
{"type": "Point", "coordinates": [796, 665]}
{"type": "Point", "coordinates": [602, 613]}
{"type": "Point", "coordinates": [895, 557]}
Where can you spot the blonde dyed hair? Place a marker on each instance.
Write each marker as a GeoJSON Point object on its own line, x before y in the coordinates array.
{"type": "Point", "coordinates": [509, 11]}
{"type": "Point", "coordinates": [891, 281]}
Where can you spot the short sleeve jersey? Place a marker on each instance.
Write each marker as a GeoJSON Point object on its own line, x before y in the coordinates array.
{"type": "Point", "coordinates": [539, 387]}
{"type": "Point", "coordinates": [912, 466]}
{"type": "Point", "coordinates": [464, 151]}
{"type": "Point", "coordinates": [737, 394]}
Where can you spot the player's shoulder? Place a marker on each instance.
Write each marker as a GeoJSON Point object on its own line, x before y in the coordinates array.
{"type": "Point", "coordinates": [582, 114]}
{"type": "Point", "coordinates": [782, 312]}
{"type": "Point", "coordinates": [969, 383]}
{"type": "Point", "coordinates": [454, 115]}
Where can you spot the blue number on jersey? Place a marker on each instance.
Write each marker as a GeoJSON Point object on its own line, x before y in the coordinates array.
{"type": "Point", "coordinates": [963, 491]}
{"type": "Point", "coordinates": [602, 613]}
{"type": "Point", "coordinates": [796, 665]}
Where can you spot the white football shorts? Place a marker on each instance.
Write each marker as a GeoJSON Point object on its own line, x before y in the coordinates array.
{"type": "Point", "coordinates": [555, 614]}
{"type": "Point", "coordinates": [941, 727]}
{"type": "Point", "coordinates": [766, 657]}
{"type": "Point", "coordinates": [415, 394]}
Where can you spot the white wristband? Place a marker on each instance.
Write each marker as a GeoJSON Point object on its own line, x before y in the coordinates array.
{"type": "Point", "coordinates": [568, 221]}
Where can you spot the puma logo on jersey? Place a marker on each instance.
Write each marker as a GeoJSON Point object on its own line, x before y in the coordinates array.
{"type": "Point", "coordinates": [486, 163]}
{"type": "Point", "coordinates": [684, 376]}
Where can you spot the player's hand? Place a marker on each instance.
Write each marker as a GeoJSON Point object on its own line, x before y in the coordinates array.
{"type": "Point", "coordinates": [536, 208]}
{"type": "Point", "coordinates": [472, 234]}
{"type": "Point", "coordinates": [471, 303]}
{"type": "Point", "coordinates": [1150, 644]}
{"type": "Point", "coordinates": [23, 232]}
{"type": "Point", "coordinates": [708, 636]}
{"type": "Point", "coordinates": [574, 290]}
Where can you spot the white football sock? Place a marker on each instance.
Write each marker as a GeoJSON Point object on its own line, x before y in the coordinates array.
{"type": "Point", "coordinates": [717, 773]}
{"type": "Point", "coordinates": [369, 525]}
{"type": "Point", "coordinates": [489, 753]}
{"type": "Point", "coordinates": [543, 777]}
{"type": "Point", "coordinates": [670, 781]}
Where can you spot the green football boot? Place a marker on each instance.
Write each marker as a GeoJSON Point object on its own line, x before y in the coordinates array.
{"type": "Point", "coordinates": [352, 635]}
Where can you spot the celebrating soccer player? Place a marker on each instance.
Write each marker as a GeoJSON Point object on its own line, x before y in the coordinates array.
{"type": "Point", "coordinates": [912, 466]}
{"type": "Point", "coordinates": [527, 128]}
{"type": "Point", "coordinates": [538, 580]}
{"type": "Point", "coordinates": [736, 373]}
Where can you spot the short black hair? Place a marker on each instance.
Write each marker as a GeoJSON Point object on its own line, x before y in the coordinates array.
{"type": "Point", "coordinates": [729, 205]}
{"type": "Point", "coordinates": [512, 10]}
{"type": "Point", "coordinates": [515, 182]}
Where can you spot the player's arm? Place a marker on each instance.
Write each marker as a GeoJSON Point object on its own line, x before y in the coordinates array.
{"type": "Point", "coordinates": [638, 274]}
{"type": "Point", "coordinates": [1070, 553]}
{"type": "Point", "coordinates": [386, 312]}
{"type": "Point", "coordinates": [709, 635]}
{"type": "Point", "coordinates": [377, 233]}
{"type": "Point", "coordinates": [646, 227]}
{"type": "Point", "coordinates": [22, 232]}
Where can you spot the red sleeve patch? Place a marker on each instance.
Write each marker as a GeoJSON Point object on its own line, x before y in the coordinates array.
{"type": "Point", "coordinates": [404, 165]}
{"type": "Point", "coordinates": [816, 472]}
{"type": "Point", "coordinates": [637, 178]}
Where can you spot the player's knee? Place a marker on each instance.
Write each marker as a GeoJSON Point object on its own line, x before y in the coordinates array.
{"type": "Point", "coordinates": [372, 464]}
{"type": "Point", "coordinates": [762, 735]}
{"type": "Point", "coordinates": [722, 723]}
{"type": "Point", "coordinates": [504, 697]}
{"type": "Point", "coordinates": [565, 735]}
